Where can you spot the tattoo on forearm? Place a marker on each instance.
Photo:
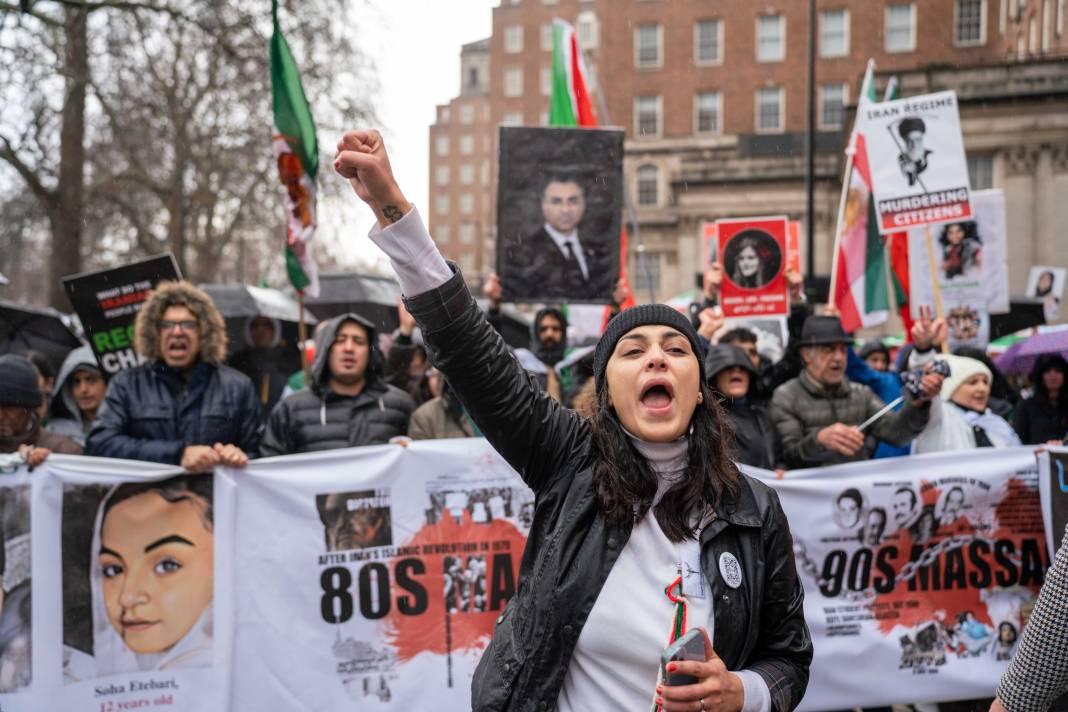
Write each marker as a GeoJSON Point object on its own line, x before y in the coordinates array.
{"type": "Point", "coordinates": [392, 213]}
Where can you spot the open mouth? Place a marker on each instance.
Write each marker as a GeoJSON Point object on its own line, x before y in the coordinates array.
{"type": "Point", "coordinates": [178, 348]}
{"type": "Point", "coordinates": [657, 396]}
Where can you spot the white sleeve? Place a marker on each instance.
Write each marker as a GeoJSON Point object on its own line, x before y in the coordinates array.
{"type": "Point", "coordinates": [414, 256]}
{"type": "Point", "coordinates": [757, 697]}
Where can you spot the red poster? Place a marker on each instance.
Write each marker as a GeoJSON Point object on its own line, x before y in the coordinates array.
{"type": "Point", "coordinates": [754, 257]}
{"type": "Point", "coordinates": [793, 247]}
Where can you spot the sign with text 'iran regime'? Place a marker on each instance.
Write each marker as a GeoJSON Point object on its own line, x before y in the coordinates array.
{"type": "Point", "coordinates": [107, 302]}
{"type": "Point", "coordinates": [918, 168]}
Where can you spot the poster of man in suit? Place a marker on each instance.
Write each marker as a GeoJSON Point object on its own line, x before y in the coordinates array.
{"type": "Point", "coordinates": [559, 208]}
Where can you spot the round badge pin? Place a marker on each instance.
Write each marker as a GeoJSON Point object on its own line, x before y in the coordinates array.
{"type": "Point", "coordinates": [730, 569]}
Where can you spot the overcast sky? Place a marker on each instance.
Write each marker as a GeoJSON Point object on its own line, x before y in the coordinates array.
{"type": "Point", "coordinates": [416, 47]}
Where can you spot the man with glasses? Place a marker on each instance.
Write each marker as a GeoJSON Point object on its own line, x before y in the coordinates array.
{"type": "Point", "coordinates": [818, 413]}
{"type": "Point", "coordinates": [182, 406]}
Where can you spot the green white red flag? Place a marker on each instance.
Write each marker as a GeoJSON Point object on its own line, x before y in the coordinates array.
{"type": "Point", "coordinates": [860, 292]}
{"type": "Point", "coordinates": [296, 150]}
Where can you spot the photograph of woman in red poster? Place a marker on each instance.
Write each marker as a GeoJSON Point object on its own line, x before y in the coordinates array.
{"type": "Point", "coordinates": [754, 257]}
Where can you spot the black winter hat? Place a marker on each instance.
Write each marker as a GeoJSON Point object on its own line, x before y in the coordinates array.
{"type": "Point", "coordinates": [18, 382]}
{"type": "Point", "coordinates": [642, 315]}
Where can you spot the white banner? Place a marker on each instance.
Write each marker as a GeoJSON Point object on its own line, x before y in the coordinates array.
{"type": "Point", "coordinates": [916, 157]}
{"type": "Point", "coordinates": [925, 568]}
{"type": "Point", "coordinates": [371, 578]}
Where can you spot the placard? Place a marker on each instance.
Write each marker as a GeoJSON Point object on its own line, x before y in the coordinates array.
{"type": "Point", "coordinates": [107, 303]}
{"type": "Point", "coordinates": [753, 253]}
{"type": "Point", "coordinates": [1046, 284]}
{"type": "Point", "coordinates": [916, 156]}
{"type": "Point", "coordinates": [1053, 482]}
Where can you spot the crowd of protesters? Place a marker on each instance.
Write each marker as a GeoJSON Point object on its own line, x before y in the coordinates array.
{"type": "Point", "coordinates": [817, 401]}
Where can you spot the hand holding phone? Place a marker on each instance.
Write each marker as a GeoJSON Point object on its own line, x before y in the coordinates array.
{"type": "Point", "coordinates": [689, 646]}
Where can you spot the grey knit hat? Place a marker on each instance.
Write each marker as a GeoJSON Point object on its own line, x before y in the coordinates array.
{"type": "Point", "coordinates": [642, 315]}
{"type": "Point", "coordinates": [18, 382]}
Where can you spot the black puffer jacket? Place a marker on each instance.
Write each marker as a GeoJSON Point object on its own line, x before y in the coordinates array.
{"type": "Point", "coordinates": [571, 549]}
{"type": "Point", "coordinates": [755, 437]}
{"type": "Point", "coordinates": [1038, 419]}
{"type": "Point", "coordinates": [315, 418]}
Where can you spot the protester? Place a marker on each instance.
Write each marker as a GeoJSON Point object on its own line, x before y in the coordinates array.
{"type": "Point", "coordinates": [347, 404]}
{"type": "Point", "coordinates": [20, 419]}
{"type": "Point", "coordinates": [548, 346]}
{"type": "Point", "coordinates": [876, 355]}
{"type": "Point", "coordinates": [731, 373]}
{"type": "Point", "coordinates": [441, 417]}
{"type": "Point", "coordinates": [1043, 418]}
{"type": "Point", "coordinates": [406, 362]}
{"type": "Point", "coordinates": [1038, 672]}
{"type": "Point", "coordinates": [619, 502]}
{"type": "Point", "coordinates": [46, 380]}
{"type": "Point", "coordinates": [1003, 397]}
{"type": "Point", "coordinates": [265, 360]}
{"type": "Point", "coordinates": [182, 406]}
{"type": "Point", "coordinates": [960, 418]}
{"type": "Point", "coordinates": [818, 412]}
{"type": "Point", "coordinates": [78, 394]}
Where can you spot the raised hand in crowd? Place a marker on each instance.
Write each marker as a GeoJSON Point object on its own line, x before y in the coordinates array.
{"type": "Point", "coordinates": [407, 321]}
{"type": "Point", "coordinates": [230, 455]}
{"type": "Point", "coordinates": [712, 320]}
{"type": "Point", "coordinates": [931, 384]}
{"type": "Point", "coordinates": [33, 456]}
{"type": "Point", "coordinates": [361, 158]}
{"type": "Point", "coordinates": [491, 290]}
{"type": "Point", "coordinates": [928, 333]}
{"type": "Point", "coordinates": [713, 280]}
{"type": "Point", "coordinates": [795, 283]}
{"type": "Point", "coordinates": [846, 439]}
{"type": "Point", "coordinates": [199, 459]}
{"type": "Point", "coordinates": [716, 690]}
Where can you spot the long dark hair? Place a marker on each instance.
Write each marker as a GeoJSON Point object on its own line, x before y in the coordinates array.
{"type": "Point", "coordinates": [626, 484]}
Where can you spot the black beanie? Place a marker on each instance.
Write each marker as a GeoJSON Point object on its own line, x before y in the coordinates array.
{"type": "Point", "coordinates": [642, 315]}
{"type": "Point", "coordinates": [18, 382]}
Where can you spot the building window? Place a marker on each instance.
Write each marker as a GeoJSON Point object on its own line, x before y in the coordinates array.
{"type": "Point", "coordinates": [467, 203]}
{"type": "Point", "coordinates": [1032, 35]}
{"type": "Point", "coordinates": [1060, 17]}
{"type": "Point", "coordinates": [549, 2]}
{"type": "Point", "coordinates": [771, 38]}
{"type": "Point", "coordinates": [647, 115]}
{"type": "Point", "coordinates": [512, 118]}
{"type": "Point", "coordinates": [648, 185]}
{"type": "Point", "coordinates": [547, 37]}
{"type": "Point", "coordinates": [708, 42]}
{"type": "Point", "coordinates": [441, 145]}
{"type": "Point", "coordinates": [832, 105]}
{"type": "Point", "coordinates": [484, 172]}
{"type": "Point", "coordinates": [969, 25]}
{"type": "Point", "coordinates": [706, 108]}
{"type": "Point", "coordinates": [441, 204]}
{"type": "Point", "coordinates": [545, 81]}
{"type": "Point", "coordinates": [981, 171]}
{"type": "Point", "coordinates": [900, 35]}
{"type": "Point", "coordinates": [467, 114]}
{"type": "Point", "coordinates": [443, 114]}
{"type": "Point", "coordinates": [472, 78]}
{"type": "Point", "coordinates": [834, 33]}
{"type": "Point", "coordinates": [467, 233]}
{"type": "Point", "coordinates": [769, 110]}
{"type": "Point", "coordinates": [513, 39]}
{"type": "Point", "coordinates": [543, 118]}
{"type": "Point", "coordinates": [513, 82]}
{"type": "Point", "coordinates": [467, 174]}
{"type": "Point", "coordinates": [441, 235]}
{"type": "Point", "coordinates": [586, 30]}
{"type": "Point", "coordinates": [467, 144]}
{"type": "Point", "coordinates": [441, 175]}
{"type": "Point", "coordinates": [1047, 25]}
{"type": "Point", "coordinates": [647, 46]}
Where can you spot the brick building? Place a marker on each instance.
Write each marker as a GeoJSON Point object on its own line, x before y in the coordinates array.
{"type": "Point", "coordinates": [712, 97]}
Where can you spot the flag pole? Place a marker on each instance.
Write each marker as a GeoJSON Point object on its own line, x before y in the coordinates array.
{"type": "Point", "coordinates": [936, 288]}
{"type": "Point", "coordinates": [846, 179]}
{"type": "Point", "coordinates": [302, 336]}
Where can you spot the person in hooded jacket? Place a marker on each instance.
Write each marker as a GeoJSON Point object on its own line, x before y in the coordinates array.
{"type": "Point", "coordinates": [548, 346]}
{"type": "Point", "coordinates": [731, 373]}
{"type": "Point", "coordinates": [182, 406]}
{"type": "Point", "coordinates": [1043, 418]}
{"type": "Point", "coordinates": [347, 404]}
{"type": "Point", "coordinates": [622, 501]}
{"type": "Point", "coordinates": [266, 360]}
{"type": "Point", "coordinates": [79, 393]}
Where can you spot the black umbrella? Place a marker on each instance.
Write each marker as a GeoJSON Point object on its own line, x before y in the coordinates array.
{"type": "Point", "coordinates": [24, 328]}
{"type": "Point", "coordinates": [240, 302]}
{"type": "Point", "coordinates": [372, 297]}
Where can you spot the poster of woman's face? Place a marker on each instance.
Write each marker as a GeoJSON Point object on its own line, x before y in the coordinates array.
{"type": "Point", "coordinates": [751, 259]}
{"type": "Point", "coordinates": [1047, 285]}
{"type": "Point", "coordinates": [138, 576]}
{"type": "Point", "coordinates": [559, 213]}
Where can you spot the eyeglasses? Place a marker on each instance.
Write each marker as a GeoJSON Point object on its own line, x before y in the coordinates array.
{"type": "Point", "coordinates": [185, 325]}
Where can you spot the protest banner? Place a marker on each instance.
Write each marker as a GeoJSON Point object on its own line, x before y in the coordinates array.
{"type": "Point", "coordinates": [916, 156]}
{"type": "Point", "coordinates": [753, 253]}
{"type": "Point", "coordinates": [371, 578]}
{"type": "Point", "coordinates": [107, 303]}
{"type": "Point", "coordinates": [971, 267]}
{"type": "Point", "coordinates": [1053, 491]}
{"type": "Point", "coordinates": [927, 566]}
{"type": "Point", "coordinates": [559, 213]}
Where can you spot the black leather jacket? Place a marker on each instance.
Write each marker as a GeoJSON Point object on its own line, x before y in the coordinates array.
{"type": "Point", "coordinates": [570, 550]}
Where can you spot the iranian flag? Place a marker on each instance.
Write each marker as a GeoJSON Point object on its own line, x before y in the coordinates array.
{"type": "Point", "coordinates": [859, 280]}
{"type": "Point", "coordinates": [297, 152]}
{"type": "Point", "coordinates": [571, 107]}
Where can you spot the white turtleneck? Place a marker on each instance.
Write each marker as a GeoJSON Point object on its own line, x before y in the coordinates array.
{"type": "Point", "coordinates": [616, 660]}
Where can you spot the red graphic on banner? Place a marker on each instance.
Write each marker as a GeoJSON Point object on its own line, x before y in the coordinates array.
{"type": "Point", "coordinates": [471, 570]}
